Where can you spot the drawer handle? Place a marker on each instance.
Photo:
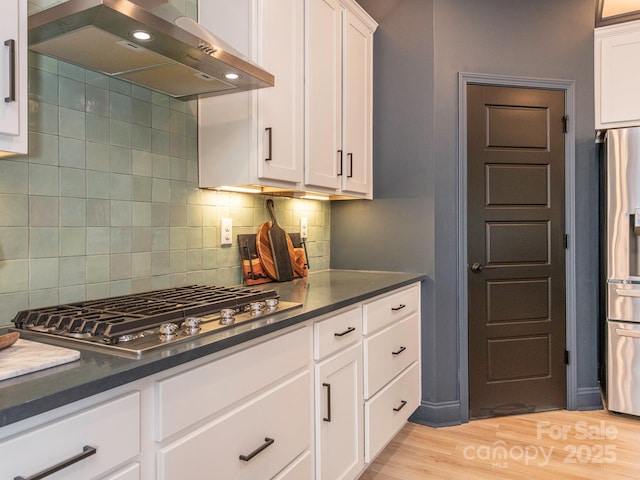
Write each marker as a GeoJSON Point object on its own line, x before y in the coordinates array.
{"type": "Point", "coordinates": [328, 417]}
{"type": "Point", "coordinates": [348, 330]}
{"type": "Point", "coordinates": [395, 309]}
{"type": "Point", "coordinates": [402, 349]}
{"type": "Point", "coordinates": [267, 442]}
{"type": "Point", "coordinates": [11, 43]}
{"type": "Point", "coordinates": [87, 451]}
{"type": "Point", "coordinates": [402, 404]}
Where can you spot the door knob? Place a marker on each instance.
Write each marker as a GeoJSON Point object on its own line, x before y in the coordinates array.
{"type": "Point", "coordinates": [476, 267]}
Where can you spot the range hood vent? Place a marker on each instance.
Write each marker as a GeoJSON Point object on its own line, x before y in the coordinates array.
{"type": "Point", "coordinates": [181, 59]}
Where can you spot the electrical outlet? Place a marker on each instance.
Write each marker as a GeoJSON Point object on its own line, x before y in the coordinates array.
{"type": "Point", "coordinates": [226, 231]}
{"type": "Point", "coordinates": [304, 228]}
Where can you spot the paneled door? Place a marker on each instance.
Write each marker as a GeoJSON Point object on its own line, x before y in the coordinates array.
{"type": "Point", "coordinates": [516, 250]}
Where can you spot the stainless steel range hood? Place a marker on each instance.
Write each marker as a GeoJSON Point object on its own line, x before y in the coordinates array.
{"type": "Point", "coordinates": [181, 58]}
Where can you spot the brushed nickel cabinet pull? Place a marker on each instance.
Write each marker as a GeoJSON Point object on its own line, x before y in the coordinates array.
{"type": "Point", "coordinates": [87, 451]}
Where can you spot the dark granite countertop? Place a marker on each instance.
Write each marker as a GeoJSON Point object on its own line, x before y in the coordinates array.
{"type": "Point", "coordinates": [99, 370]}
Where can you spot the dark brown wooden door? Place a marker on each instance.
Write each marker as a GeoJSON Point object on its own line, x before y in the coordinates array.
{"type": "Point", "coordinates": [515, 225]}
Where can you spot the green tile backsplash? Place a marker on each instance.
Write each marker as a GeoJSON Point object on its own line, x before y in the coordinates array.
{"type": "Point", "coordinates": [106, 202]}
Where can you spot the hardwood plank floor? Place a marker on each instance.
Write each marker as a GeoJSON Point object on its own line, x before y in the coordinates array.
{"type": "Point", "coordinates": [559, 444]}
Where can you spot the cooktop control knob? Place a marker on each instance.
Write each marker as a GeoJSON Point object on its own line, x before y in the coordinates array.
{"type": "Point", "coordinates": [168, 331]}
{"type": "Point", "coordinates": [227, 316]}
{"type": "Point", "coordinates": [192, 325]}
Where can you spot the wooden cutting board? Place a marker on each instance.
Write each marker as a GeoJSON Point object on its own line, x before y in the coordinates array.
{"type": "Point", "coordinates": [26, 356]}
{"type": "Point", "coordinates": [263, 247]}
{"type": "Point", "coordinates": [281, 247]}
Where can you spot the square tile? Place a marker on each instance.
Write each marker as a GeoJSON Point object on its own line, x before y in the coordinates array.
{"type": "Point", "coordinates": [43, 211]}
{"type": "Point", "coordinates": [120, 107]}
{"type": "Point", "coordinates": [141, 189]}
{"type": "Point", "coordinates": [160, 238]}
{"type": "Point", "coordinates": [14, 276]}
{"type": "Point", "coordinates": [73, 241]}
{"type": "Point", "coordinates": [120, 240]}
{"type": "Point", "coordinates": [121, 160]}
{"type": "Point", "coordinates": [98, 129]}
{"type": "Point", "coordinates": [71, 152]}
{"type": "Point", "coordinates": [14, 243]}
{"type": "Point", "coordinates": [142, 163]}
{"type": "Point", "coordinates": [43, 180]}
{"type": "Point", "coordinates": [14, 177]}
{"type": "Point", "coordinates": [98, 184]}
{"type": "Point", "coordinates": [72, 123]}
{"type": "Point", "coordinates": [120, 213]}
{"type": "Point", "coordinates": [161, 166]}
{"type": "Point", "coordinates": [71, 94]}
{"type": "Point", "coordinates": [141, 214]}
{"type": "Point", "coordinates": [43, 242]}
{"type": "Point", "coordinates": [14, 210]}
{"type": "Point", "coordinates": [73, 212]}
{"type": "Point", "coordinates": [43, 86]}
{"type": "Point", "coordinates": [43, 273]}
{"type": "Point", "coordinates": [97, 101]}
{"type": "Point", "coordinates": [72, 271]}
{"type": "Point", "coordinates": [120, 134]}
{"type": "Point", "coordinates": [98, 240]}
{"type": "Point", "coordinates": [73, 182]}
{"type": "Point", "coordinates": [160, 190]}
{"type": "Point", "coordinates": [141, 265]}
{"type": "Point", "coordinates": [141, 239]}
{"type": "Point", "coordinates": [97, 268]}
{"type": "Point", "coordinates": [98, 212]}
{"type": "Point", "coordinates": [121, 186]}
{"type": "Point", "coordinates": [160, 215]}
{"type": "Point", "coordinates": [43, 117]}
{"type": "Point", "coordinates": [120, 86]}
{"type": "Point", "coordinates": [98, 157]}
{"type": "Point", "coordinates": [141, 112]}
{"type": "Point", "coordinates": [160, 263]}
{"type": "Point", "coordinates": [120, 267]}
{"type": "Point", "coordinates": [43, 148]}
{"type": "Point", "coordinates": [141, 137]}
{"type": "Point", "coordinates": [70, 70]}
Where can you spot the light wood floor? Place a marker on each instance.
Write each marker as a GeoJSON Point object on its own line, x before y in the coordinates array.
{"type": "Point", "coordinates": [559, 445]}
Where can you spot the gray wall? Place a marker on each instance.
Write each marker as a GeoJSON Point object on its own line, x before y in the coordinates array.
{"type": "Point", "coordinates": [420, 47]}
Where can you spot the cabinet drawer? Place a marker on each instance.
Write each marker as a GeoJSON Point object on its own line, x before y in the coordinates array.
{"type": "Point", "coordinates": [225, 381]}
{"type": "Point", "coordinates": [112, 428]}
{"type": "Point", "coordinates": [279, 421]}
{"type": "Point", "coordinates": [388, 352]}
{"type": "Point", "coordinates": [337, 332]}
{"type": "Point", "coordinates": [300, 469]}
{"type": "Point", "coordinates": [387, 412]}
{"type": "Point", "coordinates": [388, 309]}
{"type": "Point", "coordinates": [132, 472]}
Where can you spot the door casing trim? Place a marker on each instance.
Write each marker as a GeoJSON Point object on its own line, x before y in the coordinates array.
{"type": "Point", "coordinates": [568, 86]}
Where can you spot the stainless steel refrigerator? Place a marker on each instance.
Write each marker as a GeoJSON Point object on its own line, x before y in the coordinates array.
{"type": "Point", "coordinates": [621, 255]}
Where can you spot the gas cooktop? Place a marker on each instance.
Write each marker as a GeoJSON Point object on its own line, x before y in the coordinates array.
{"type": "Point", "coordinates": [140, 322]}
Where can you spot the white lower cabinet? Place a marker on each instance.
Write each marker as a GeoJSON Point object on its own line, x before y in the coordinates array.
{"type": "Point", "coordinates": [99, 439]}
{"type": "Point", "coordinates": [254, 442]}
{"type": "Point", "coordinates": [318, 400]}
{"type": "Point", "coordinates": [338, 416]}
{"type": "Point", "coordinates": [389, 409]}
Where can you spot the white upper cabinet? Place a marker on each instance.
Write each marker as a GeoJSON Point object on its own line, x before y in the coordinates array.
{"type": "Point", "coordinates": [312, 130]}
{"type": "Point", "coordinates": [13, 78]}
{"type": "Point", "coordinates": [617, 75]}
{"type": "Point", "coordinates": [323, 94]}
{"type": "Point", "coordinates": [255, 138]}
{"type": "Point", "coordinates": [357, 108]}
{"type": "Point", "coordinates": [338, 98]}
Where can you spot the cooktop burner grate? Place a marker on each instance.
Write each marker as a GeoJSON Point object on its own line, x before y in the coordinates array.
{"type": "Point", "coordinates": [114, 317]}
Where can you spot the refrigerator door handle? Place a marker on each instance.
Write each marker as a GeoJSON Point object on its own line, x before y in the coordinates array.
{"type": "Point", "coordinates": [627, 293]}
{"type": "Point", "coordinates": [623, 332]}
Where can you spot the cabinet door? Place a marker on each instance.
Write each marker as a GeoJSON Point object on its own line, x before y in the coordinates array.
{"type": "Point", "coordinates": [13, 77]}
{"type": "Point", "coordinates": [619, 76]}
{"type": "Point", "coordinates": [323, 93]}
{"type": "Point", "coordinates": [338, 416]}
{"type": "Point", "coordinates": [280, 108]}
{"type": "Point", "coordinates": [357, 99]}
